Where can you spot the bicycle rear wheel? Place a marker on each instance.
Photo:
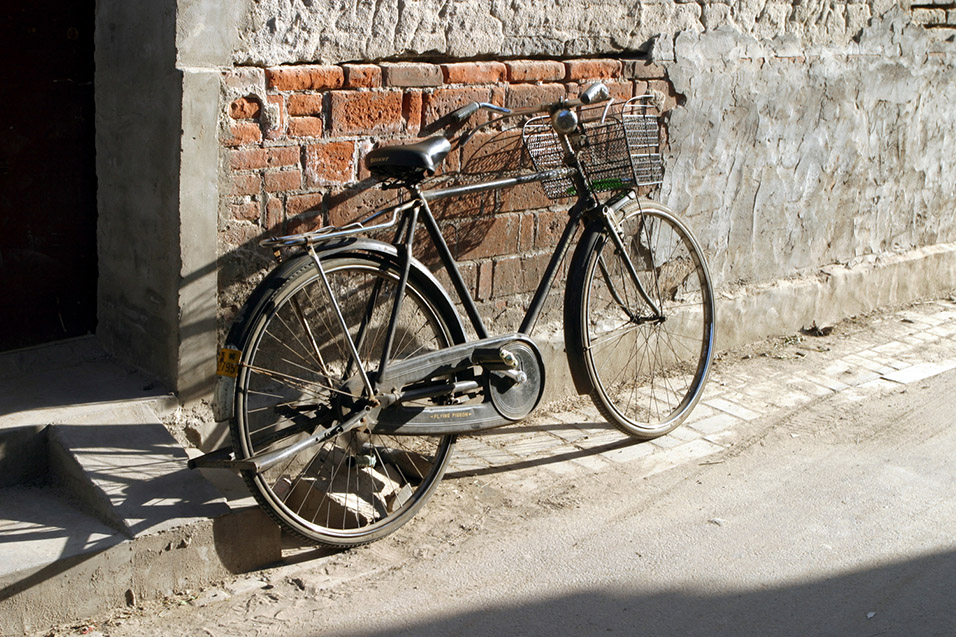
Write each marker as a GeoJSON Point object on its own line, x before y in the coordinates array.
{"type": "Point", "coordinates": [297, 374]}
{"type": "Point", "coordinates": [647, 365]}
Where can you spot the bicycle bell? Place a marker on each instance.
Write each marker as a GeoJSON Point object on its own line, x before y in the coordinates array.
{"type": "Point", "coordinates": [564, 120]}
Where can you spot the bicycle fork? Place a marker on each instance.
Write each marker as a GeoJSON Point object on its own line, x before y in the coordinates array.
{"type": "Point", "coordinates": [609, 213]}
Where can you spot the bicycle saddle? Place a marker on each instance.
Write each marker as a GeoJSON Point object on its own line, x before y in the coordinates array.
{"type": "Point", "coordinates": [408, 162]}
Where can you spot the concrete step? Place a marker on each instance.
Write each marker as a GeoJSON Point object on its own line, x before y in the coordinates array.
{"type": "Point", "coordinates": [97, 506]}
{"type": "Point", "coordinates": [23, 454]}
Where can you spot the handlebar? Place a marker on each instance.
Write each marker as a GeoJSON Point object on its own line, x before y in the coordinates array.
{"type": "Point", "coordinates": [451, 122]}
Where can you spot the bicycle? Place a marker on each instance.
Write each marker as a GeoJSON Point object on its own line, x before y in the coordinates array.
{"type": "Point", "coordinates": [348, 373]}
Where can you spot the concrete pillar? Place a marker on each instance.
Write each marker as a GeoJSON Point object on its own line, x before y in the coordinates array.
{"type": "Point", "coordinates": [157, 105]}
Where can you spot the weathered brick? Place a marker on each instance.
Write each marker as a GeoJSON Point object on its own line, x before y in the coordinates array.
{"type": "Point", "coordinates": [535, 71]}
{"type": "Point", "coordinates": [305, 222]}
{"type": "Point", "coordinates": [352, 204]}
{"type": "Point", "coordinates": [592, 69]}
{"type": "Point", "coordinates": [550, 225]}
{"type": "Point", "coordinates": [362, 75]}
{"type": "Point", "coordinates": [306, 104]}
{"type": "Point", "coordinates": [240, 78]}
{"type": "Point", "coordinates": [473, 205]}
{"type": "Point", "coordinates": [524, 95]}
{"type": "Point", "coordinates": [621, 91]}
{"type": "Point", "coordinates": [245, 108]}
{"type": "Point", "coordinates": [305, 127]}
{"type": "Point", "coordinates": [666, 89]}
{"type": "Point", "coordinates": [488, 153]}
{"type": "Point", "coordinates": [257, 158]}
{"type": "Point", "coordinates": [246, 185]}
{"type": "Point", "coordinates": [278, 130]}
{"type": "Point", "coordinates": [274, 214]}
{"type": "Point", "coordinates": [412, 74]}
{"type": "Point", "coordinates": [329, 163]}
{"type": "Point", "coordinates": [642, 70]}
{"type": "Point", "coordinates": [445, 100]}
{"type": "Point", "coordinates": [239, 233]}
{"type": "Point", "coordinates": [484, 287]}
{"type": "Point", "coordinates": [297, 204]}
{"type": "Point", "coordinates": [487, 237]}
{"type": "Point", "coordinates": [474, 72]}
{"type": "Point", "coordinates": [248, 159]}
{"type": "Point", "coordinates": [412, 111]}
{"type": "Point", "coordinates": [365, 112]}
{"type": "Point", "coordinates": [526, 232]}
{"type": "Point", "coordinates": [246, 210]}
{"type": "Point", "coordinates": [243, 133]}
{"type": "Point", "coordinates": [283, 156]}
{"type": "Point", "coordinates": [524, 197]}
{"type": "Point", "coordinates": [517, 275]}
{"type": "Point", "coordinates": [282, 180]}
{"type": "Point", "coordinates": [305, 77]}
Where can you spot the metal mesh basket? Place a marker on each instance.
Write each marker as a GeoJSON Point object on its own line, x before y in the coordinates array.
{"type": "Point", "coordinates": [619, 147]}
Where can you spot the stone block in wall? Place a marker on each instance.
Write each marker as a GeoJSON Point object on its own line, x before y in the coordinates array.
{"type": "Point", "coordinates": [642, 70]}
{"type": "Point", "coordinates": [411, 74]}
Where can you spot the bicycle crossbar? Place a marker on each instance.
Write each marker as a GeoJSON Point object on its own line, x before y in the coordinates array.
{"type": "Point", "coordinates": [454, 191]}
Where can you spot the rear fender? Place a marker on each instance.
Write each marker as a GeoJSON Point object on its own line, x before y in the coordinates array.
{"type": "Point", "coordinates": [231, 352]}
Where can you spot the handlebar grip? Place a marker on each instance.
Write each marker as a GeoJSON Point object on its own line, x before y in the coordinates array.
{"type": "Point", "coordinates": [455, 117]}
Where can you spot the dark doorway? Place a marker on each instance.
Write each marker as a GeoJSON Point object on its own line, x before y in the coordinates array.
{"type": "Point", "coordinates": [48, 173]}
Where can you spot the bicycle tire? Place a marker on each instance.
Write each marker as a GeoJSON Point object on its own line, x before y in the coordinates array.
{"type": "Point", "coordinates": [646, 374]}
{"type": "Point", "coordinates": [359, 486]}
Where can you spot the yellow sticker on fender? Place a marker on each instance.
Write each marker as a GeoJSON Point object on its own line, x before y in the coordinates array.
{"type": "Point", "coordinates": [228, 362]}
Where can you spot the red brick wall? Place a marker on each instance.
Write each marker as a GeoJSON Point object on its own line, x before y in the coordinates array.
{"type": "Point", "coordinates": [306, 170]}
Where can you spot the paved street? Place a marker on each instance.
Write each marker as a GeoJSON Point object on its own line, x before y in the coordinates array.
{"type": "Point", "coordinates": [812, 492]}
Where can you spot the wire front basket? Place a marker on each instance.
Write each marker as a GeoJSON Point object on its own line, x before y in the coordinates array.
{"type": "Point", "coordinates": [617, 144]}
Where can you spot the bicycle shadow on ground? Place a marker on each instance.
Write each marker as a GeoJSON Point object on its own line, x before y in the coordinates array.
{"type": "Point", "coordinates": [582, 450]}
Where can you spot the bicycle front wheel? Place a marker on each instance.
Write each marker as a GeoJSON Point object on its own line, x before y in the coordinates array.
{"type": "Point", "coordinates": [648, 343]}
{"type": "Point", "coordinates": [298, 374]}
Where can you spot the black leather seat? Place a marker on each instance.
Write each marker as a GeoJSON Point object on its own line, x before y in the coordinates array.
{"type": "Point", "coordinates": [409, 162]}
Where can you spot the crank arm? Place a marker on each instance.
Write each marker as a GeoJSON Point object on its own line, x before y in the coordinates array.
{"type": "Point", "coordinates": [449, 360]}
{"type": "Point", "coordinates": [264, 461]}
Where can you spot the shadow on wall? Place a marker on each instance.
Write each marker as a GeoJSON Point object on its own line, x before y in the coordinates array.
{"type": "Point", "coordinates": [913, 597]}
{"type": "Point", "coordinates": [465, 220]}
{"type": "Point", "coordinates": [482, 226]}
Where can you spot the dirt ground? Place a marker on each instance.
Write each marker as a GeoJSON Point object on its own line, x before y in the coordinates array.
{"type": "Point", "coordinates": [472, 512]}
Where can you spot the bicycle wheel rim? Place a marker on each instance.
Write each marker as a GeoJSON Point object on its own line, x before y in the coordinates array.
{"type": "Point", "coordinates": [361, 486]}
{"type": "Point", "coordinates": [648, 376]}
